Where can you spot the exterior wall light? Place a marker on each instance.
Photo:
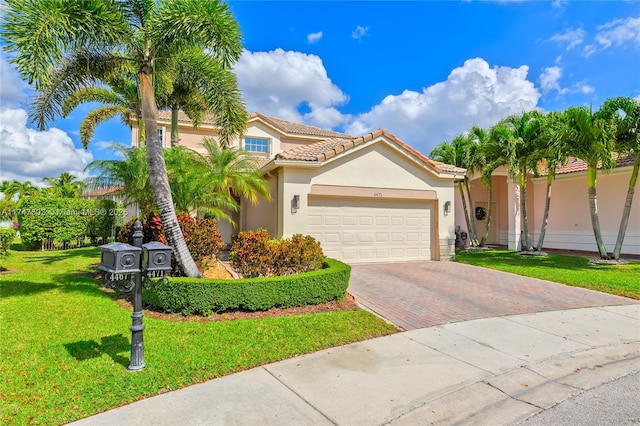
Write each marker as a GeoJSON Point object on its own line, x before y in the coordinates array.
{"type": "Point", "coordinates": [295, 203]}
{"type": "Point", "coordinates": [447, 207]}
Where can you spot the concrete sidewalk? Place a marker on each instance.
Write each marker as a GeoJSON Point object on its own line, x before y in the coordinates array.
{"type": "Point", "coordinates": [487, 371]}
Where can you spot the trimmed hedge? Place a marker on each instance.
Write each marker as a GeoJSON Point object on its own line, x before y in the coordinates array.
{"type": "Point", "coordinates": [200, 296]}
{"type": "Point", "coordinates": [64, 219]}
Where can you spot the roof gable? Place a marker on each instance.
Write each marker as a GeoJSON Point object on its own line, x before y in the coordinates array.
{"type": "Point", "coordinates": [296, 129]}
{"type": "Point", "coordinates": [324, 150]}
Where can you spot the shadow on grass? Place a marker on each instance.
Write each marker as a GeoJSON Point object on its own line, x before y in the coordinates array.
{"type": "Point", "coordinates": [109, 345]}
{"type": "Point", "coordinates": [48, 258]}
{"type": "Point", "coordinates": [72, 282]}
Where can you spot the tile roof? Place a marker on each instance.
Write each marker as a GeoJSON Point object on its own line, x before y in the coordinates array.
{"type": "Point", "coordinates": [101, 191]}
{"type": "Point", "coordinates": [575, 165]}
{"type": "Point", "coordinates": [299, 128]}
{"type": "Point", "coordinates": [283, 125]}
{"type": "Point", "coordinates": [323, 150]}
{"type": "Point", "coordinates": [165, 115]}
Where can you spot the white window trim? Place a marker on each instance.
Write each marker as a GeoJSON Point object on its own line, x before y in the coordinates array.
{"type": "Point", "coordinates": [268, 153]}
{"type": "Point", "coordinates": [162, 131]}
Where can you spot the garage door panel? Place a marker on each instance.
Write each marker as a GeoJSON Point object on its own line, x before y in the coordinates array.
{"type": "Point", "coordinates": [371, 230]}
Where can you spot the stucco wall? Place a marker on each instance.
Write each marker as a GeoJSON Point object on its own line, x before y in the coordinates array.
{"type": "Point", "coordinates": [569, 219]}
{"type": "Point", "coordinates": [264, 213]}
{"type": "Point", "coordinates": [378, 166]}
{"type": "Point", "coordinates": [569, 225]}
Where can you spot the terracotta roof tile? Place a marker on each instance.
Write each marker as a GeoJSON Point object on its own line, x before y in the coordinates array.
{"type": "Point", "coordinates": [299, 128]}
{"type": "Point", "coordinates": [575, 165]}
{"type": "Point", "coordinates": [165, 115]}
{"type": "Point", "coordinates": [323, 150]}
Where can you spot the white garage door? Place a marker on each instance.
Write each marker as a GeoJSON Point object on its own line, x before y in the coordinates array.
{"type": "Point", "coordinates": [358, 231]}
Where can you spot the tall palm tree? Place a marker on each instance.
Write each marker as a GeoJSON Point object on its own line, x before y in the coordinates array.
{"type": "Point", "coordinates": [553, 153]}
{"type": "Point", "coordinates": [489, 159]}
{"type": "Point", "coordinates": [71, 45]}
{"type": "Point", "coordinates": [458, 153]}
{"type": "Point", "coordinates": [518, 134]}
{"type": "Point", "coordinates": [591, 138]}
{"type": "Point", "coordinates": [66, 185]}
{"type": "Point", "coordinates": [626, 112]}
{"type": "Point", "coordinates": [198, 85]}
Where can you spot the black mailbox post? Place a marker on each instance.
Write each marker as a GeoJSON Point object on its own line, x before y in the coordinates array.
{"type": "Point", "coordinates": [121, 264]}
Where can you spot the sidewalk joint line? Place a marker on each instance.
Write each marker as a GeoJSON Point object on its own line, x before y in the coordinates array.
{"type": "Point", "coordinates": [300, 396]}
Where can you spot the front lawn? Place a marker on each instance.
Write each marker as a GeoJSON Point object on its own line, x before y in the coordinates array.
{"type": "Point", "coordinates": [622, 280]}
{"type": "Point", "coordinates": [65, 344]}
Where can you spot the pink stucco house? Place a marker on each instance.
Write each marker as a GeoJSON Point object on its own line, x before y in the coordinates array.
{"type": "Point", "coordinates": [369, 198]}
{"type": "Point", "coordinates": [569, 225]}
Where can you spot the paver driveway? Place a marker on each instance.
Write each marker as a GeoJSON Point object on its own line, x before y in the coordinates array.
{"type": "Point", "coordinates": [423, 294]}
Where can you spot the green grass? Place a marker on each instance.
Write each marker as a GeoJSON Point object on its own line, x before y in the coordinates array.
{"type": "Point", "coordinates": [64, 345]}
{"type": "Point", "coordinates": [622, 280]}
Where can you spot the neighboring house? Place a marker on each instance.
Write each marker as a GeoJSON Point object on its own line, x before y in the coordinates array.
{"type": "Point", "coordinates": [371, 198]}
{"type": "Point", "coordinates": [569, 225]}
{"type": "Point", "coordinates": [129, 212]}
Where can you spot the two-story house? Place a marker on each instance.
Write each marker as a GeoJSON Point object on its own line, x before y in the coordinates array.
{"type": "Point", "coordinates": [369, 198]}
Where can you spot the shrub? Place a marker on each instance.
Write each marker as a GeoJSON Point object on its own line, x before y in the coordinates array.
{"type": "Point", "coordinates": [250, 254]}
{"type": "Point", "coordinates": [190, 296]}
{"type": "Point", "coordinates": [7, 209]}
{"type": "Point", "coordinates": [253, 254]}
{"type": "Point", "coordinates": [6, 237]}
{"type": "Point", "coordinates": [106, 215]}
{"type": "Point", "coordinates": [202, 236]}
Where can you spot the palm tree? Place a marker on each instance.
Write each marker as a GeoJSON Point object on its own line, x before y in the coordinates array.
{"type": "Point", "coordinates": [231, 172]}
{"type": "Point", "coordinates": [129, 175]}
{"type": "Point", "coordinates": [65, 186]}
{"type": "Point", "coordinates": [553, 152]}
{"type": "Point", "coordinates": [518, 135]}
{"type": "Point", "coordinates": [626, 113]}
{"type": "Point", "coordinates": [590, 138]}
{"type": "Point", "coordinates": [191, 185]}
{"type": "Point", "coordinates": [457, 153]}
{"type": "Point", "coordinates": [71, 45]}
{"type": "Point", "coordinates": [490, 160]}
{"type": "Point", "coordinates": [25, 189]}
{"type": "Point", "coordinates": [198, 85]}
{"type": "Point", "coordinates": [119, 99]}
{"type": "Point", "coordinates": [9, 189]}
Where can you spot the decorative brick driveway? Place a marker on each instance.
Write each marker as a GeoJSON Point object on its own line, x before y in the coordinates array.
{"type": "Point", "coordinates": [423, 294]}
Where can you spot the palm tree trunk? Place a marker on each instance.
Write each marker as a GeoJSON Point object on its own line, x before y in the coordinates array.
{"type": "Point", "coordinates": [174, 126]}
{"type": "Point", "coordinates": [523, 209]}
{"type": "Point", "coordinates": [627, 208]}
{"type": "Point", "coordinates": [545, 216]}
{"type": "Point", "coordinates": [487, 225]}
{"type": "Point", "coordinates": [160, 181]}
{"type": "Point", "coordinates": [464, 207]}
{"type": "Point", "coordinates": [593, 209]}
{"type": "Point", "coordinates": [473, 234]}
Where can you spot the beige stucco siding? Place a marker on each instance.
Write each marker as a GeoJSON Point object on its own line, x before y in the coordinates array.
{"type": "Point", "coordinates": [264, 214]}
{"type": "Point", "coordinates": [569, 219]}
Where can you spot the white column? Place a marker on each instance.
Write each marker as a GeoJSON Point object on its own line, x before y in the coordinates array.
{"type": "Point", "coordinates": [513, 199]}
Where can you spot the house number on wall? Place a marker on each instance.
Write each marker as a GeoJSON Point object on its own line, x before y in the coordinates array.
{"type": "Point", "coordinates": [377, 194]}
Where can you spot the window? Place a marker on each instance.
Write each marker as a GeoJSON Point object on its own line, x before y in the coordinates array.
{"type": "Point", "coordinates": [162, 136]}
{"type": "Point", "coordinates": [260, 145]}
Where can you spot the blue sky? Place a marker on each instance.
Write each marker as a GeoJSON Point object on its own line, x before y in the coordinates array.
{"type": "Point", "coordinates": [424, 71]}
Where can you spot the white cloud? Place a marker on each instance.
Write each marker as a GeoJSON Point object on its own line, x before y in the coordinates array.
{"type": "Point", "coordinates": [359, 32]}
{"type": "Point", "coordinates": [550, 80]}
{"type": "Point", "coordinates": [12, 87]}
{"type": "Point", "coordinates": [474, 94]}
{"type": "Point", "coordinates": [314, 37]}
{"type": "Point", "coordinates": [559, 4]}
{"type": "Point", "coordinates": [28, 154]}
{"type": "Point", "coordinates": [619, 32]}
{"type": "Point", "coordinates": [571, 37]}
{"type": "Point", "coordinates": [588, 50]}
{"type": "Point", "coordinates": [279, 82]}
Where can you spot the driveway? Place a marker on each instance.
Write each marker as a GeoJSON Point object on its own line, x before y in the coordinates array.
{"type": "Point", "coordinates": [424, 294]}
